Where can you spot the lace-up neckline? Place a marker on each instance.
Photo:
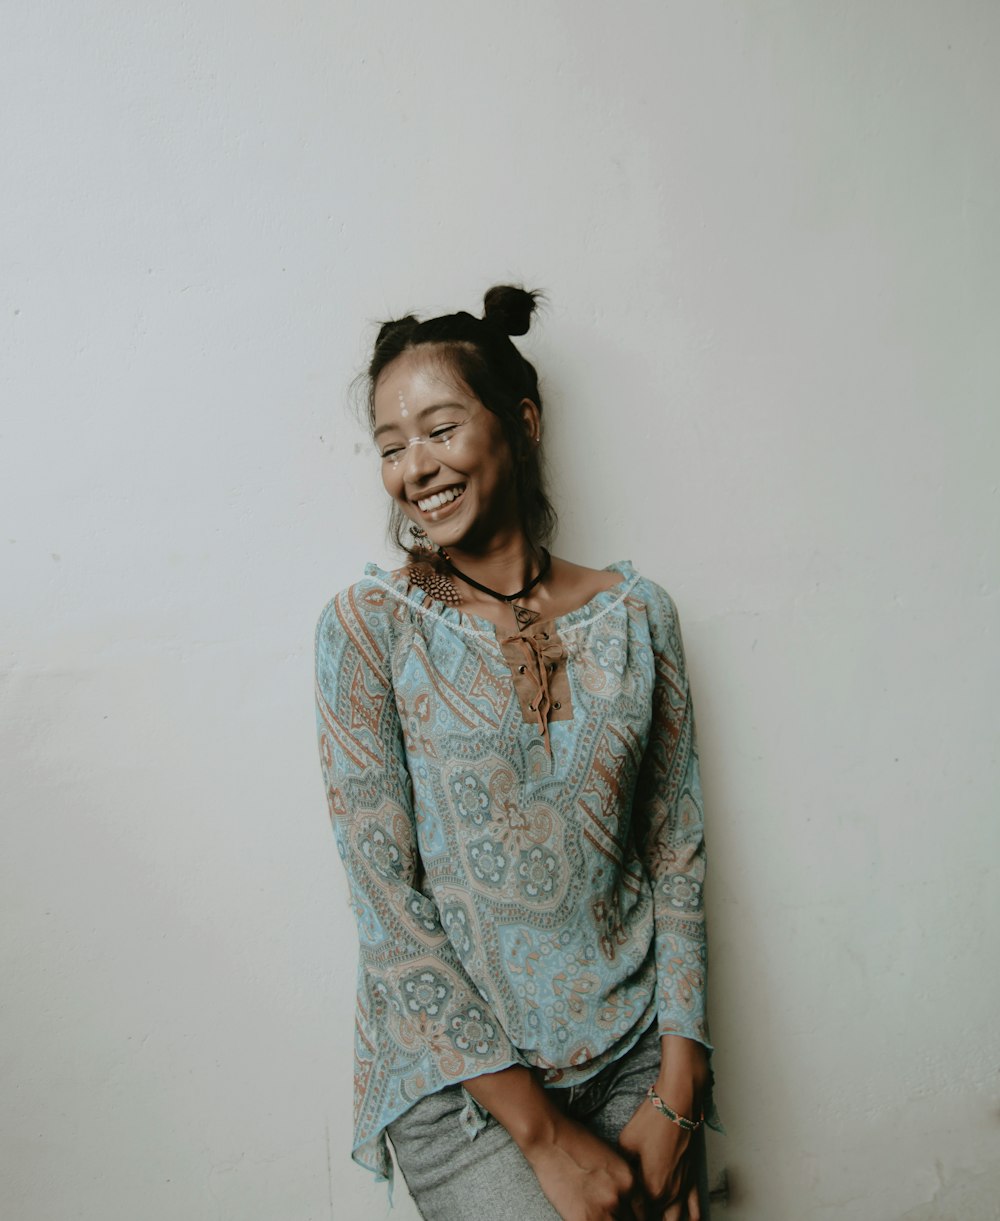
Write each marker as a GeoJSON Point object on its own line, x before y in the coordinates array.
{"type": "Point", "coordinates": [542, 651]}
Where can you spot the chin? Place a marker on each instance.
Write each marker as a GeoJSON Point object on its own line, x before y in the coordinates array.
{"type": "Point", "coordinates": [446, 538]}
{"type": "Point", "coordinates": [448, 533]}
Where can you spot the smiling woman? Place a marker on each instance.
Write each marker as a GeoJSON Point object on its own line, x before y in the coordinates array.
{"type": "Point", "coordinates": [474, 366]}
{"type": "Point", "coordinates": [508, 746]}
{"type": "Point", "coordinates": [445, 462]}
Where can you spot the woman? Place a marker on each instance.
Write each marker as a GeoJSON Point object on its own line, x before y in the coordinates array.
{"type": "Point", "coordinates": [508, 748]}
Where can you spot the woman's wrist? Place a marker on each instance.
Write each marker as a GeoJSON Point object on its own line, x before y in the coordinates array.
{"type": "Point", "coordinates": [687, 1123]}
{"type": "Point", "coordinates": [684, 1075]}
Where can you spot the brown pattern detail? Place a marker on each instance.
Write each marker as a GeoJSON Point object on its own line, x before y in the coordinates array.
{"type": "Point", "coordinates": [628, 881]}
{"type": "Point", "coordinates": [581, 1055]}
{"type": "Point", "coordinates": [600, 800]}
{"type": "Point", "coordinates": [362, 639]}
{"type": "Point", "coordinates": [366, 706]}
{"type": "Point", "coordinates": [454, 699]}
{"type": "Point", "coordinates": [358, 754]}
{"type": "Point", "coordinates": [607, 915]}
{"type": "Point", "coordinates": [683, 971]}
{"type": "Point", "coordinates": [584, 984]}
{"type": "Point", "coordinates": [671, 693]}
{"type": "Point", "coordinates": [617, 1009]}
{"type": "Point", "coordinates": [418, 1032]}
{"type": "Point", "coordinates": [488, 686]}
{"type": "Point", "coordinates": [415, 721]}
{"type": "Point", "coordinates": [613, 857]}
{"type": "Point", "coordinates": [592, 678]}
{"type": "Point", "coordinates": [517, 826]}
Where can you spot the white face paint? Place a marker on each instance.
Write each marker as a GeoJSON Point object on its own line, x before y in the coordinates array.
{"type": "Point", "coordinates": [402, 406]}
{"type": "Point", "coordinates": [397, 455]}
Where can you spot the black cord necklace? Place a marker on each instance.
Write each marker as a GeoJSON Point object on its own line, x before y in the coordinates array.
{"type": "Point", "coordinates": [523, 616]}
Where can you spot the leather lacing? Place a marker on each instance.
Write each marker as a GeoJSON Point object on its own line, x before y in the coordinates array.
{"type": "Point", "coordinates": [542, 653]}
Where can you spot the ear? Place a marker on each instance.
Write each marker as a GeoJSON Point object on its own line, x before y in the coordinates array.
{"type": "Point", "coordinates": [531, 421]}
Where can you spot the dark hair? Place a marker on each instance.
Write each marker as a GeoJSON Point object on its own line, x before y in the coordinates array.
{"type": "Point", "coordinates": [480, 352]}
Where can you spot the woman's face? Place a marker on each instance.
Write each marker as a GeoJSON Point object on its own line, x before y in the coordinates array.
{"type": "Point", "coordinates": [445, 460]}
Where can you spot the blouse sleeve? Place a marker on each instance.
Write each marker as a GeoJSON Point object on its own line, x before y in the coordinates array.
{"type": "Point", "coordinates": [669, 831]}
{"type": "Point", "coordinates": [421, 1023]}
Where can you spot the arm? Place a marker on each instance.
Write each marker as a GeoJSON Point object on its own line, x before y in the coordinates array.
{"type": "Point", "coordinates": [668, 825]}
{"type": "Point", "coordinates": [421, 1023]}
{"type": "Point", "coordinates": [669, 829]}
{"type": "Point", "coordinates": [582, 1177]}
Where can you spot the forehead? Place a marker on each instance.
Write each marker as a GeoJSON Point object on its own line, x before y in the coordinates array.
{"type": "Point", "coordinates": [416, 380]}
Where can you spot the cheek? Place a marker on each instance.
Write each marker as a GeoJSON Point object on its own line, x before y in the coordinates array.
{"type": "Point", "coordinates": [487, 453]}
{"type": "Point", "coordinates": [391, 479]}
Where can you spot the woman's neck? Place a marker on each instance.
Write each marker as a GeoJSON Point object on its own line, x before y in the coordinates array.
{"type": "Point", "coordinates": [506, 564]}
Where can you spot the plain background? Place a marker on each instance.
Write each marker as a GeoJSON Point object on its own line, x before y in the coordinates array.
{"type": "Point", "coordinates": [769, 235]}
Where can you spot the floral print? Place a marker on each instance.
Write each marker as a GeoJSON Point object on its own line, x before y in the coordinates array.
{"type": "Point", "coordinates": [610, 655]}
{"type": "Point", "coordinates": [683, 892]}
{"type": "Point", "coordinates": [455, 919]}
{"type": "Point", "coordinates": [489, 861]}
{"type": "Point", "coordinates": [472, 1030]}
{"type": "Point", "coordinates": [382, 852]}
{"type": "Point", "coordinates": [537, 871]}
{"type": "Point", "coordinates": [472, 800]}
{"type": "Point", "coordinates": [425, 993]}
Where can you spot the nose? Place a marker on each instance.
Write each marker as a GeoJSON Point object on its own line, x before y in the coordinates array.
{"type": "Point", "coordinates": [419, 461]}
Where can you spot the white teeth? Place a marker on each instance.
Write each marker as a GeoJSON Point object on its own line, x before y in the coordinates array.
{"type": "Point", "coordinates": [439, 498]}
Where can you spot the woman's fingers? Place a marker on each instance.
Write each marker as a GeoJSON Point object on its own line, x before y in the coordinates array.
{"type": "Point", "coordinates": [684, 1207]}
{"type": "Point", "coordinates": [637, 1204]}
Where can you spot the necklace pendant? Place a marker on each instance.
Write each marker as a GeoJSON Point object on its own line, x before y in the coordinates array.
{"type": "Point", "coordinates": [525, 617]}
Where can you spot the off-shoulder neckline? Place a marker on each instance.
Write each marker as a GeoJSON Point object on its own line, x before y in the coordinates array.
{"type": "Point", "coordinates": [599, 604]}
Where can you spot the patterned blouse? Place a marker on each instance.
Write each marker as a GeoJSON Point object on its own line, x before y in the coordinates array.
{"type": "Point", "coordinates": [520, 819]}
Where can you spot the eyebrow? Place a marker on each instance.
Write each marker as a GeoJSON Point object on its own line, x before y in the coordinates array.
{"type": "Point", "coordinates": [424, 411]}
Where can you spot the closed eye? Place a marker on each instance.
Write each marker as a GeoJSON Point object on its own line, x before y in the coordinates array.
{"type": "Point", "coordinates": [394, 451]}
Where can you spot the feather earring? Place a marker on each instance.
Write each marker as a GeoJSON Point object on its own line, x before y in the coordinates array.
{"type": "Point", "coordinates": [426, 574]}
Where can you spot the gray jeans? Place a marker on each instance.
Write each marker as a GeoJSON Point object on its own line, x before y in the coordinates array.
{"type": "Point", "coordinates": [454, 1178]}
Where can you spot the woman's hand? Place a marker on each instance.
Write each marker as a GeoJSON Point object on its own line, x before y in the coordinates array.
{"type": "Point", "coordinates": [583, 1178]}
{"type": "Point", "coordinates": [667, 1172]}
{"type": "Point", "coordinates": [660, 1150]}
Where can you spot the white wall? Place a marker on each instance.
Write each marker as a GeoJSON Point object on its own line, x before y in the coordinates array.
{"type": "Point", "coordinates": [769, 234]}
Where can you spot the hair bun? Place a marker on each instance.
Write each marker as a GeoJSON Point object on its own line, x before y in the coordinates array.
{"type": "Point", "coordinates": [510, 308]}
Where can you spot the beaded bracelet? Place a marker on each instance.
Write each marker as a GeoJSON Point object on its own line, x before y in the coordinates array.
{"type": "Point", "coordinates": [689, 1125]}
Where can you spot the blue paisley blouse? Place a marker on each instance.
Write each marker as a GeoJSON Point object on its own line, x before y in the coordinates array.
{"type": "Point", "coordinates": [520, 818]}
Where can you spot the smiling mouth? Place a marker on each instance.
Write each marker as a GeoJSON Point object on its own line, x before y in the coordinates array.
{"type": "Point", "coordinates": [440, 499]}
